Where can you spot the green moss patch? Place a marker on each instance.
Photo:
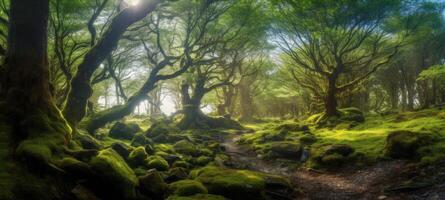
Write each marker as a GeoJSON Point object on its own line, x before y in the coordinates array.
{"type": "Point", "coordinates": [187, 188]}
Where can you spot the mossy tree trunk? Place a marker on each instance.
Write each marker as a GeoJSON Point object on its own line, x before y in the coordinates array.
{"type": "Point", "coordinates": [193, 117]}
{"type": "Point", "coordinates": [246, 101]}
{"type": "Point", "coordinates": [38, 128]}
{"type": "Point", "coordinates": [81, 90]}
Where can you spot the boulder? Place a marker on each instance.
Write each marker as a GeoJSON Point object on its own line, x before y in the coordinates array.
{"type": "Point", "coordinates": [187, 188]}
{"type": "Point", "coordinates": [115, 178]}
{"type": "Point", "coordinates": [176, 174]}
{"type": "Point", "coordinates": [75, 167]}
{"type": "Point", "coordinates": [404, 144]}
{"type": "Point", "coordinates": [233, 184]}
{"type": "Point", "coordinates": [153, 185]}
{"type": "Point", "coordinates": [87, 141]}
{"type": "Point", "coordinates": [186, 147]}
{"type": "Point", "coordinates": [137, 156]}
{"type": "Point", "coordinates": [288, 150]}
{"type": "Point", "coordinates": [342, 149]}
{"type": "Point", "coordinates": [140, 140]}
{"type": "Point", "coordinates": [121, 148]}
{"type": "Point", "coordinates": [157, 162]}
{"type": "Point", "coordinates": [124, 131]}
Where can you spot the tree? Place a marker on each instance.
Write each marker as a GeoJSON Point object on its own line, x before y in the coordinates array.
{"type": "Point", "coordinates": [81, 91]}
{"type": "Point", "coordinates": [38, 128]}
{"type": "Point", "coordinates": [334, 38]}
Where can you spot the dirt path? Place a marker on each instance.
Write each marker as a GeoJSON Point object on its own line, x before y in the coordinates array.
{"type": "Point", "coordinates": [352, 184]}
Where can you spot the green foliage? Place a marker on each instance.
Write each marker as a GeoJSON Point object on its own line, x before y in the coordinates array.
{"type": "Point", "coordinates": [436, 72]}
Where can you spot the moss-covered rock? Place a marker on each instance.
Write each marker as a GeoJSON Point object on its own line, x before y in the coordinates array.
{"type": "Point", "coordinates": [185, 147]}
{"type": "Point", "coordinates": [198, 197]}
{"type": "Point", "coordinates": [308, 139]}
{"type": "Point", "coordinates": [160, 129]}
{"type": "Point", "coordinates": [124, 131]}
{"type": "Point", "coordinates": [176, 174]}
{"type": "Point", "coordinates": [332, 156]}
{"type": "Point", "coordinates": [87, 141]}
{"type": "Point", "coordinates": [288, 150]}
{"type": "Point", "coordinates": [114, 175]}
{"type": "Point", "coordinates": [187, 188]}
{"type": "Point", "coordinates": [203, 160]}
{"type": "Point", "coordinates": [153, 185]}
{"type": "Point", "coordinates": [182, 164]}
{"type": "Point", "coordinates": [404, 144]}
{"type": "Point", "coordinates": [121, 148]}
{"type": "Point", "coordinates": [140, 140]}
{"type": "Point", "coordinates": [342, 149]}
{"type": "Point", "coordinates": [75, 167]}
{"type": "Point", "coordinates": [292, 127]}
{"type": "Point", "coordinates": [137, 156]}
{"type": "Point", "coordinates": [233, 184]}
{"type": "Point", "coordinates": [157, 162]}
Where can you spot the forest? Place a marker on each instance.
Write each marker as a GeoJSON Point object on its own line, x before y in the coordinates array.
{"type": "Point", "coordinates": [222, 99]}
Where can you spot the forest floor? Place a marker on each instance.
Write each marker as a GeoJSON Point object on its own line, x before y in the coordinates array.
{"type": "Point", "coordinates": [349, 183]}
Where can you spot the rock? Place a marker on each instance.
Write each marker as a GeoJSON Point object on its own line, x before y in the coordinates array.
{"type": "Point", "coordinates": [76, 168]}
{"type": "Point", "coordinates": [185, 147]}
{"type": "Point", "coordinates": [171, 158]}
{"type": "Point", "coordinates": [352, 114]}
{"type": "Point", "coordinates": [87, 141]}
{"type": "Point", "coordinates": [198, 197]}
{"type": "Point", "coordinates": [404, 144]}
{"type": "Point", "coordinates": [140, 140]}
{"type": "Point", "coordinates": [187, 188]}
{"type": "Point", "coordinates": [121, 148]}
{"type": "Point", "coordinates": [333, 160]}
{"type": "Point", "coordinates": [176, 174]}
{"type": "Point", "coordinates": [114, 175]}
{"type": "Point", "coordinates": [292, 127]}
{"type": "Point", "coordinates": [342, 149]}
{"type": "Point", "coordinates": [157, 162]}
{"type": "Point", "coordinates": [288, 150]}
{"type": "Point", "coordinates": [233, 184]}
{"type": "Point", "coordinates": [83, 193]}
{"type": "Point", "coordinates": [308, 139]}
{"type": "Point", "coordinates": [124, 131]}
{"type": "Point", "coordinates": [137, 156]}
{"type": "Point", "coordinates": [160, 129]}
{"type": "Point", "coordinates": [203, 160]}
{"type": "Point", "coordinates": [181, 164]}
{"type": "Point", "coordinates": [153, 185]}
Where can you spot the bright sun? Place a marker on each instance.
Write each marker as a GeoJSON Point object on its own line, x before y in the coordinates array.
{"type": "Point", "coordinates": [133, 2]}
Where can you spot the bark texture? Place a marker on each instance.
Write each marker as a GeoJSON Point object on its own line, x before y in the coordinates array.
{"type": "Point", "coordinates": [81, 90]}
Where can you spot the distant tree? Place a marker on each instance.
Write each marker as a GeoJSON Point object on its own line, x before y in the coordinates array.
{"type": "Point", "coordinates": [335, 38]}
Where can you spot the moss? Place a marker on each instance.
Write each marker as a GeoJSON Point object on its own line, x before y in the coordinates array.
{"type": "Point", "coordinates": [87, 141]}
{"type": "Point", "coordinates": [124, 131]}
{"type": "Point", "coordinates": [187, 188]}
{"type": "Point", "coordinates": [404, 144]}
{"type": "Point", "coordinates": [234, 184]}
{"type": "Point", "coordinates": [185, 147]}
{"type": "Point", "coordinates": [140, 140]}
{"type": "Point", "coordinates": [181, 163]}
{"type": "Point", "coordinates": [198, 197]}
{"type": "Point", "coordinates": [157, 162]}
{"type": "Point", "coordinates": [122, 149]}
{"type": "Point", "coordinates": [203, 160]}
{"type": "Point", "coordinates": [153, 185]}
{"type": "Point", "coordinates": [115, 174]}
{"type": "Point", "coordinates": [289, 150]}
{"type": "Point", "coordinates": [176, 173]}
{"type": "Point", "coordinates": [164, 148]}
{"type": "Point", "coordinates": [75, 167]}
{"type": "Point", "coordinates": [137, 156]}
{"type": "Point", "coordinates": [308, 139]}
{"type": "Point", "coordinates": [333, 160]}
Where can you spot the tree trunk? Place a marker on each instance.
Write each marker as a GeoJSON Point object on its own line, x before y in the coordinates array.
{"type": "Point", "coordinates": [25, 88]}
{"type": "Point", "coordinates": [246, 102]}
{"type": "Point", "coordinates": [331, 99]}
{"type": "Point", "coordinates": [81, 90]}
